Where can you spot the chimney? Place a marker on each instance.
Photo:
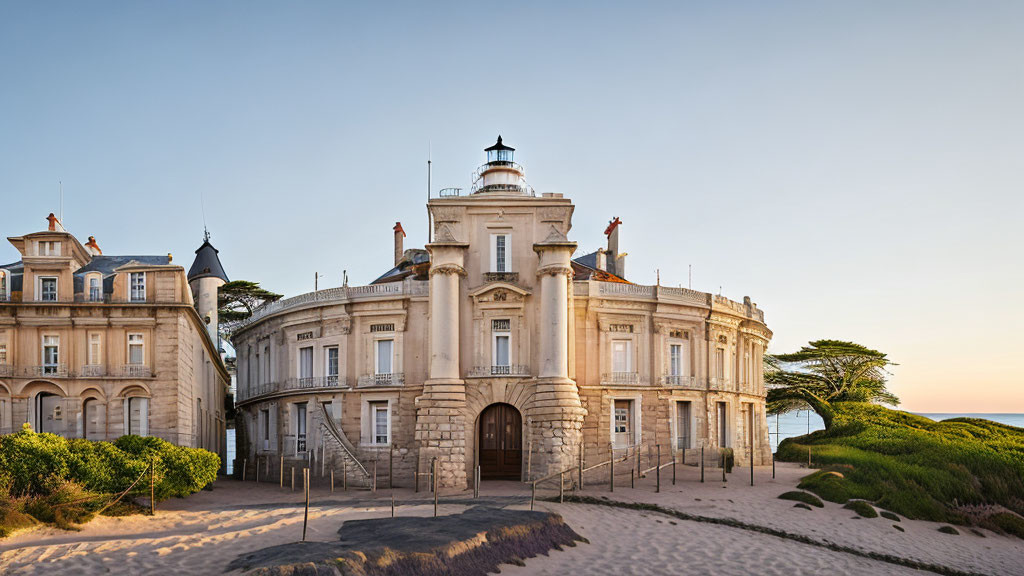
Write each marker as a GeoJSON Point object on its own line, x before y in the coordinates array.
{"type": "Point", "coordinates": [620, 265]}
{"type": "Point", "coordinates": [602, 260]}
{"type": "Point", "coordinates": [53, 222]}
{"type": "Point", "coordinates": [399, 235]}
{"type": "Point", "coordinates": [93, 247]}
{"type": "Point", "coordinates": [612, 232]}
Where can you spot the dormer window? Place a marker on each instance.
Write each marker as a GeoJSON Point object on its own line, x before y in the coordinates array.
{"type": "Point", "coordinates": [47, 288]}
{"type": "Point", "coordinates": [95, 288]}
{"type": "Point", "coordinates": [4, 283]}
{"type": "Point", "coordinates": [138, 286]}
{"type": "Point", "coordinates": [49, 248]}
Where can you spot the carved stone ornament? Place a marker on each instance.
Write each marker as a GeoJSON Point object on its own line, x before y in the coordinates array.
{"type": "Point", "coordinates": [447, 269]}
{"type": "Point", "coordinates": [444, 234]}
{"type": "Point", "coordinates": [500, 296]}
{"type": "Point", "coordinates": [555, 235]}
{"type": "Point", "coordinates": [554, 270]}
{"type": "Point", "coordinates": [552, 214]}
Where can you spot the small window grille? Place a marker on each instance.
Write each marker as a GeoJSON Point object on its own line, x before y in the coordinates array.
{"type": "Point", "coordinates": [382, 327]}
{"type": "Point", "coordinates": [501, 325]}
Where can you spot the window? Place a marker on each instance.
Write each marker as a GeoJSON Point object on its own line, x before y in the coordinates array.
{"type": "Point", "coordinates": [95, 349]}
{"type": "Point", "coordinates": [683, 425]}
{"type": "Point", "coordinates": [306, 363]}
{"type": "Point", "coordinates": [48, 289]}
{"type": "Point", "coordinates": [265, 428]}
{"type": "Point", "coordinates": [385, 353]}
{"type": "Point", "coordinates": [49, 248]}
{"type": "Point", "coordinates": [720, 363]}
{"type": "Point", "coordinates": [137, 416]}
{"type": "Point", "coordinates": [3, 285]}
{"type": "Point", "coordinates": [3, 354]}
{"type": "Point", "coordinates": [95, 293]}
{"type": "Point", "coordinates": [300, 427]}
{"type": "Point", "coordinates": [266, 364]}
{"type": "Point", "coordinates": [622, 360]}
{"type": "Point", "coordinates": [501, 360]}
{"type": "Point", "coordinates": [332, 366]}
{"type": "Point", "coordinates": [136, 349]}
{"type": "Point", "coordinates": [723, 425]}
{"type": "Point", "coordinates": [138, 286]}
{"type": "Point", "coordinates": [500, 260]}
{"type": "Point", "coordinates": [381, 422]}
{"type": "Point", "coordinates": [51, 353]}
{"type": "Point", "coordinates": [622, 423]}
{"type": "Point", "coordinates": [675, 355]}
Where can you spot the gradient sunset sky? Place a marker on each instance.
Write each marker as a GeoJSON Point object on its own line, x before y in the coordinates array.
{"type": "Point", "coordinates": [855, 168]}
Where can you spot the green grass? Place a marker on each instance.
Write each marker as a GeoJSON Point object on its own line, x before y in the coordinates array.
{"type": "Point", "coordinates": [914, 466]}
{"type": "Point", "coordinates": [805, 497]}
{"type": "Point", "coordinates": [862, 508]}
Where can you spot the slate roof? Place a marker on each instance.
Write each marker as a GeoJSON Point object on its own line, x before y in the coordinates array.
{"type": "Point", "coordinates": [406, 267]}
{"type": "Point", "coordinates": [207, 264]}
{"type": "Point", "coordinates": [105, 265]}
{"type": "Point", "coordinates": [585, 268]}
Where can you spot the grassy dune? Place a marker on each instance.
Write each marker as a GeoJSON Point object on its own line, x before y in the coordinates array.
{"type": "Point", "coordinates": [961, 471]}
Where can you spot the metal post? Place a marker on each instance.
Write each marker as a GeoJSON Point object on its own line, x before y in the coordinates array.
{"type": "Point", "coordinates": [257, 469]}
{"type": "Point", "coordinates": [391, 467]}
{"type": "Point", "coordinates": [282, 471]}
{"type": "Point", "coordinates": [561, 487]}
{"type": "Point", "coordinates": [723, 468]}
{"type": "Point", "coordinates": [416, 475]}
{"type": "Point", "coordinates": [751, 446]}
{"type": "Point", "coordinates": [323, 459]}
{"type": "Point", "coordinates": [392, 504]}
{"type": "Point", "coordinates": [657, 472]}
{"type": "Point", "coordinates": [632, 473]}
{"type": "Point", "coordinates": [611, 468]}
{"type": "Point", "coordinates": [305, 515]}
{"type": "Point", "coordinates": [581, 466]}
{"type": "Point", "coordinates": [244, 462]}
{"type": "Point", "coordinates": [344, 476]}
{"type": "Point", "coordinates": [374, 484]}
{"type": "Point", "coordinates": [529, 460]}
{"type": "Point", "coordinates": [433, 467]}
{"type": "Point", "coordinates": [673, 468]}
{"type": "Point", "coordinates": [152, 486]}
{"type": "Point", "coordinates": [533, 494]}
{"type": "Point", "coordinates": [773, 465]}
{"type": "Point", "coordinates": [701, 464]}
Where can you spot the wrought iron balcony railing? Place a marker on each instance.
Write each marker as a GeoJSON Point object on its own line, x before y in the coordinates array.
{"type": "Point", "coordinates": [135, 371]}
{"type": "Point", "coordinates": [510, 277]}
{"type": "Point", "coordinates": [512, 370]}
{"type": "Point", "coordinates": [93, 371]}
{"type": "Point", "coordinates": [621, 378]}
{"type": "Point", "coordinates": [48, 370]}
{"type": "Point", "coordinates": [6, 371]}
{"type": "Point", "coordinates": [680, 381]}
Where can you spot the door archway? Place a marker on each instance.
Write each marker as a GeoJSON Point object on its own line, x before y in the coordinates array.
{"type": "Point", "coordinates": [500, 443]}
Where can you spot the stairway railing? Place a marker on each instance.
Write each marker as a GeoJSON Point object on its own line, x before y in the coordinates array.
{"type": "Point", "coordinates": [342, 440]}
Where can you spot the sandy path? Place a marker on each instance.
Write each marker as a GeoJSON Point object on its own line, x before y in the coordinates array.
{"type": "Point", "coordinates": [203, 533]}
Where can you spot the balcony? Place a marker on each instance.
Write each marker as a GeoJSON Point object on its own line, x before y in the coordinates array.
{"type": "Point", "coordinates": [621, 379]}
{"type": "Point", "coordinates": [135, 371]}
{"type": "Point", "coordinates": [6, 371]}
{"type": "Point", "coordinates": [680, 381]}
{"type": "Point", "coordinates": [47, 371]}
{"type": "Point", "coordinates": [509, 277]}
{"type": "Point", "coordinates": [310, 382]}
{"type": "Point", "coordinates": [719, 383]}
{"type": "Point", "coordinates": [370, 380]}
{"type": "Point", "coordinates": [511, 371]}
{"type": "Point", "coordinates": [93, 371]}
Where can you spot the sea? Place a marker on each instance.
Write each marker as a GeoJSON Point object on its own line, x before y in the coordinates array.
{"type": "Point", "coordinates": [780, 427]}
{"type": "Point", "coordinates": [800, 422]}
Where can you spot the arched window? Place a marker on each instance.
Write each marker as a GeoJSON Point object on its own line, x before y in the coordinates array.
{"type": "Point", "coordinates": [94, 419]}
{"type": "Point", "coordinates": [5, 285]}
{"type": "Point", "coordinates": [95, 288]}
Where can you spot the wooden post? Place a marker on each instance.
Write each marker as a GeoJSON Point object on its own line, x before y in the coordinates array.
{"type": "Point", "coordinates": [244, 461]}
{"type": "Point", "coordinates": [152, 486]}
{"type": "Point", "coordinates": [611, 467]}
{"type": "Point", "coordinates": [293, 478]}
{"type": "Point", "coordinates": [282, 471]}
{"type": "Point", "coordinates": [701, 464]}
{"type": "Point", "coordinates": [433, 482]}
{"type": "Point", "coordinates": [657, 472]}
{"type": "Point", "coordinates": [332, 480]}
{"type": "Point", "coordinates": [305, 515]}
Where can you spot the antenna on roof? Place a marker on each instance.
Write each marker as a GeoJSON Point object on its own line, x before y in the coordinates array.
{"type": "Point", "coordinates": [690, 286]}
{"type": "Point", "coordinates": [428, 191]}
{"type": "Point", "coordinates": [60, 184]}
{"type": "Point", "coordinates": [202, 206]}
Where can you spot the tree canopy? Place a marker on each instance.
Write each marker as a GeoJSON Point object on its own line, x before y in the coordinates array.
{"type": "Point", "coordinates": [824, 372]}
{"type": "Point", "coordinates": [236, 302]}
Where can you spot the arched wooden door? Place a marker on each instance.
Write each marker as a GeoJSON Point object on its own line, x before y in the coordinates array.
{"type": "Point", "coordinates": [501, 443]}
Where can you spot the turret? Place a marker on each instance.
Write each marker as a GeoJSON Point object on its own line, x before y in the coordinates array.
{"type": "Point", "coordinates": [205, 277]}
{"type": "Point", "coordinates": [500, 175]}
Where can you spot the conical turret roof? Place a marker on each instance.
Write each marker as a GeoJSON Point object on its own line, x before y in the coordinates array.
{"type": "Point", "coordinates": [207, 263]}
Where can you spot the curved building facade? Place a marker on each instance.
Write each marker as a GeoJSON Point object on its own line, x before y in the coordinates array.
{"type": "Point", "coordinates": [497, 346]}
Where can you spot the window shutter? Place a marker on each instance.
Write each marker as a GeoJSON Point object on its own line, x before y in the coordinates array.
{"type": "Point", "coordinates": [494, 253]}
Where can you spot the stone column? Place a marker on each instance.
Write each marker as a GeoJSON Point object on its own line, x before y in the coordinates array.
{"type": "Point", "coordinates": [555, 411]}
{"type": "Point", "coordinates": [440, 411]}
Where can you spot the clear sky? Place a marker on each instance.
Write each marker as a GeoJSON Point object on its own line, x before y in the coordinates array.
{"type": "Point", "coordinates": [856, 168]}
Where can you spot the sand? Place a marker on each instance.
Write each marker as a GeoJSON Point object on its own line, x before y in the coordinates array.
{"type": "Point", "coordinates": [204, 533]}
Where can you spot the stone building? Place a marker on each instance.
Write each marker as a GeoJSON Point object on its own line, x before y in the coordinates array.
{"type": "Point", "coordinates": [96, 346]}
{"type": "Point", "coordinates": [494, 347]}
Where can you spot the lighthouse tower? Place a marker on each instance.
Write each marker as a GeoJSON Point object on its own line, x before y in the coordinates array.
{"type": "Point", "coordinates": [204, 277]}
{"type": "Point", "coordinates": [500, 175]}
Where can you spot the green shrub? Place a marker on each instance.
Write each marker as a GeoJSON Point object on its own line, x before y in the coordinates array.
{"type": "Point", "coordinates": [13, 516]}
{"type": "Point", "coordinates": [66, 505]}
{"type": "Point", "coordinates": [1005, 522]}
{"type": "Point", "coordinates": [912, 465]}
{"type": "Point", "coordinates": [181, 471]}
{"type": "Point", "coordinates": [889, 516]}
{"type": "Point", "coordinates": [862, 508]}
{"type": "Point", "coordinates": [949, 530]}
{"type": "Point", "coordinates": [805, 497]}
